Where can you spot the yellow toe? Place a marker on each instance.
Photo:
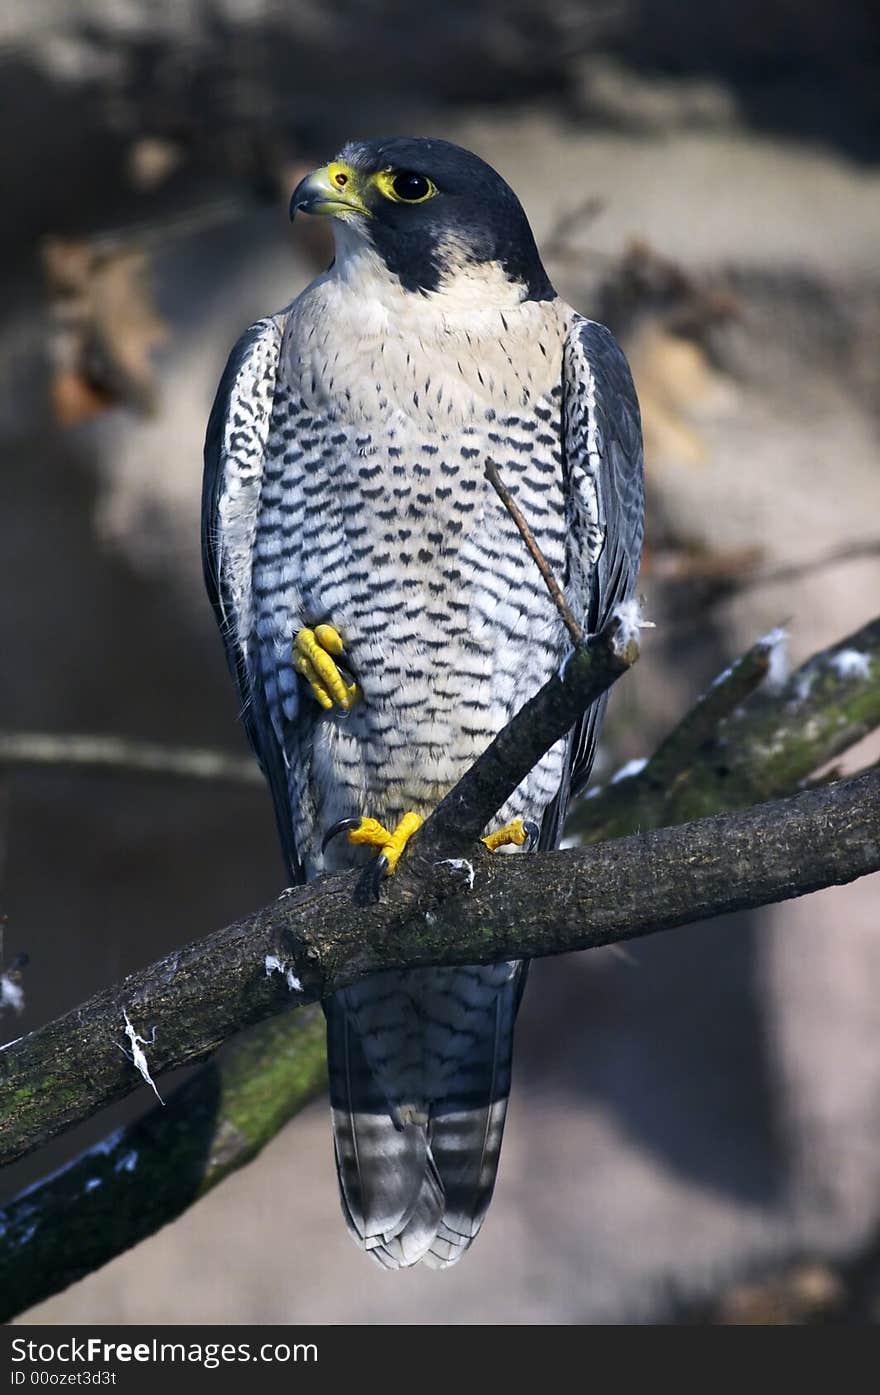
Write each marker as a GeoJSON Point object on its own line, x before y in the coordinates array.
{"type": "Point", "coordinates": [393, 849]}
{"type": "Point", "coordinates": [511, 835]}
{"type": "Point", "coordinates": [329, 639]}
{"type": "Point", "coordinates": [312, 658]}
{"type": "Point", "coordinates": [371, 833]}
{"type": "Point", "coordinates": [312, 677]}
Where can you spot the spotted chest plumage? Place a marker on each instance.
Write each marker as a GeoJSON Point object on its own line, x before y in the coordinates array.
{"type": "Point", "coordinates": [377, 518]}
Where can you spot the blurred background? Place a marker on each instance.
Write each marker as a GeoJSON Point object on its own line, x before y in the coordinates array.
{"type": "Point", "coordinates": [704, 179]}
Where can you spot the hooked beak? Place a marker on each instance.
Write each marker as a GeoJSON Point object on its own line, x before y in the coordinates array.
{"type": "Point", "coordinates": [331, 191]}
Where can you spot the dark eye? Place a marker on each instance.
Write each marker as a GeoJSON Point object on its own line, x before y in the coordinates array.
{"type": "Point", "coordinates": [405, 186]}
{"type": "Point", "coordinates": [411, 188]}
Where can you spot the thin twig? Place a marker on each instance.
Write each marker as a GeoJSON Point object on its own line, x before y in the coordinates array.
{"type": "Point", "coordinates": [158, 232]}
{"type": "Point", "coordinates": [528, 537]}
{"type": "Point", "coordinates": [740, 570]}
{"type": "Point", "coordinates": [577, 219]}
{"type": "Point", "coordinates": [702, 722]}
{"type": "Point", "coordinates": [24, 748]}
{"type": "Point", "coordinates": [793, 571]}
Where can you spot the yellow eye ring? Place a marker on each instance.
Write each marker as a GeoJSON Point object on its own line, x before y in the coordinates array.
{"type": "Point", "coordinates": [405, 186]}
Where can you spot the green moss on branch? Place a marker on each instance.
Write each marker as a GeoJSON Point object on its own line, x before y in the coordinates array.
{"type": "Point", "coordinates": [761, 744]}
{"type": "Point", "coordinates": [141, 1177]}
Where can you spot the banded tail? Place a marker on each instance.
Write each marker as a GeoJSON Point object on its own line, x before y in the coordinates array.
{"type": "Point", "coordinates": [419, 1081]}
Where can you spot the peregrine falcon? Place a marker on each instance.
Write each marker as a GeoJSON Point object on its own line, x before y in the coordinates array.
{"type": "Point", "coordinates": [383, 619]}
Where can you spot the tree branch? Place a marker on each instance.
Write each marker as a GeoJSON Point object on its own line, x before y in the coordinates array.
{"type": "Point", "coordinates": [121, 753]}
{"type": "Point", "coordinates": [318, 939]}
{"type": "Point", "coordinates": [713, 707]}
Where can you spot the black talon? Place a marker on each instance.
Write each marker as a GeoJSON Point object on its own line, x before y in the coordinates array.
{"type": "Point", "coordinates": [343, 826]}
{"type": "Point", "coordinates": [377, 874]}
{"type": "Point", "coordinates": [533, 835]}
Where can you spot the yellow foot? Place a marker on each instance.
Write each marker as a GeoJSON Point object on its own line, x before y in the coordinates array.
{"type": "Point", "coordinates": [372, 834]}
{"type": "Point", "coordinates": [516, 834]}
{"type": "Point", "coordinates": [313, 652]}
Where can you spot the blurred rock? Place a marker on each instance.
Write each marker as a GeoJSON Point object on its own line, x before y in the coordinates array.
{"type": "Point", "coordinates": [613, 94]}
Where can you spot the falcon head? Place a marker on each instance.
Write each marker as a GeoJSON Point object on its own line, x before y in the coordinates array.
{"type": "Point", "coordinates": [430, 211]}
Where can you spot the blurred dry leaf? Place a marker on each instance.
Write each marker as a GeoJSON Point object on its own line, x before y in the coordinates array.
{"type": "Point", "coordinates": [74, 398]}
{"type": "Point", "coordinates": [643, 282]}
{"type": "Point", "coordinates": [676, 384]}
{"type": "Point", "coordinates": [105, 328]}
{"type": "Point", "coordinates": [664, 316]}
{"type": "Point", "coordinates": [811, 1293]}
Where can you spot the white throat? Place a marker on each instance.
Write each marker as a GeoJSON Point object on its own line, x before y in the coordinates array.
{"type": "Point", "coordinates": [442, 356]}
{"type": "Point", "coordinates": [466, 287]}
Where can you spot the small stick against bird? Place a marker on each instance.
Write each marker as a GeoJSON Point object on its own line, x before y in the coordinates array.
{"type": "Point", "coordinates": [528, 537]}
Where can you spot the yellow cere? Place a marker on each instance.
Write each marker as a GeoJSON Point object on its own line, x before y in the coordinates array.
{"type": "Point", "coordinates": [340, 175]}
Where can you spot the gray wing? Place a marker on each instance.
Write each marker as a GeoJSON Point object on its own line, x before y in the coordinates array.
{"type": "Point", "coordinates": [235, 446]}
{"type": "Point", "coordinates": [605, 508]}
